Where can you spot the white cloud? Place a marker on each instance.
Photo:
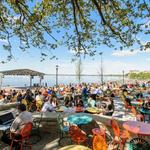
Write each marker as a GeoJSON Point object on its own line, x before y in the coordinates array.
{"type": "Point", "coordinates": [74, 51]}
{"type": "Point", "coordinates": [3, 41]}
{"type": "Point", "coordinates": [145, 51]}
{"type": "Point", "coordinates": [124, 53]}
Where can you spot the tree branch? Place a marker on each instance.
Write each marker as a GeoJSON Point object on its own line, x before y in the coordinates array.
{"type": "Point", "coordinates": [107, 23]}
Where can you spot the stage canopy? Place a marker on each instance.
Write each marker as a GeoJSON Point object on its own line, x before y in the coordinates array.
{"type": "Point", "coordinates": [22, 72]}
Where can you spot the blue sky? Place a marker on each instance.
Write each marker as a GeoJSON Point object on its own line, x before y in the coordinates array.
{"type": "Point", "coordinates": [114, 62]}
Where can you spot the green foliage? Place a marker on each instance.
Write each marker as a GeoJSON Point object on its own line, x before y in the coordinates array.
{"type": "Point", "coordinates": [140, 76]}
{"type": "Point", "coordinates": [82, 25]}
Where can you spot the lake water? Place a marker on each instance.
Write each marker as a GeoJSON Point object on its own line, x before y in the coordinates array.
{"type": "Point", "coordinates": [21, 81]}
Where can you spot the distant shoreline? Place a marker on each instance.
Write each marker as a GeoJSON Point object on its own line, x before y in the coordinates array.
{"type": "Point", "coordinates": [109, 75]}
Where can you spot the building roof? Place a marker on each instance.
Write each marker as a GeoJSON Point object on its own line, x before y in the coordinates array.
{"type": "Point", "coordinates": [22, 72]}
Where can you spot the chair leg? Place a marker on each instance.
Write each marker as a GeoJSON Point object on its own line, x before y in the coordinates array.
{"type": "Point", "coordinates": [11, 146]}
{"type": "Point", "coordinates": [21, 148]}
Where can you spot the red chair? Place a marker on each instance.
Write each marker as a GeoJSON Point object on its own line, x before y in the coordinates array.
{"type": "Point", "coordinates": [99, 143]}
{"type": "Point", "coordinates": [127, 107]}
{"type": "Point", "coordinates": [119, 137]}
{"type": "Point", "coordinates": [25, 136]}
{"type": "Point", "coordinates": [139, 117]}
{"type": "Point", "coordinates": [77, 135]}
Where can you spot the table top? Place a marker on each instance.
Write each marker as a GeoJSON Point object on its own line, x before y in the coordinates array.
{"type": "Point", "coordinates": [136, 103]}
{"type": "Point", "coordinates": [79, 119]}
{"type": "Point", "coordinates": [144, 111]}
{"type": "Point", "coordinates": [75, 147]}
{"type": "Point", "coordinates": [137, 127]}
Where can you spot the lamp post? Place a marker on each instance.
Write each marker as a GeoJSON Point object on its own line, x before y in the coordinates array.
{"type": "Point", "coordinates": [57, 75]}
{"type": "Point", "coordinates": [123, 76]}
{"type": "Point", "coordinates": [101, 53]}
{"type": "Point", "coordinates": [1, 78]}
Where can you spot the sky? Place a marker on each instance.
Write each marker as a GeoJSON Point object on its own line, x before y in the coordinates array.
{"type": "Point", "coordinates": [114, 61]}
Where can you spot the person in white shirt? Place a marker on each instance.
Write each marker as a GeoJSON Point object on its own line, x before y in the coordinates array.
{"type": "Point", "coordinates": [23, 118]}
{"type": "Point", "coordinates": [47, 106]}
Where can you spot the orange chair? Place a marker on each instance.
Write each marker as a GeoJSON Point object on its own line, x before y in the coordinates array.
{"type": "Point", "coordinates": [77, 135]}
{"type": "Point", "coordinates": [25, 136]}
{"type": "Point", "coordinates": [120, 137]}
{"type": "Point", "coordinates": [99, 131]}
{"type": "Point", "coordinates": [139, 117]}
{"type": "Point", "coordinates": [99, 143]}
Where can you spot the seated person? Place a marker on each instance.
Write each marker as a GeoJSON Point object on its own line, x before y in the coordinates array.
{"type": "Point", "coordinates": [54, 102]}
{"type": "Point", "coordinates": [109, 111]}
{"type": "Point", "coordinates": [23, 118]}
{"type": "Point", "coordinates": [68, 103]}
{"type": "Point", "coordinates": [78, 102]}
{"type": "Point", "coordinates": [128, 101]}
{"type": "Point", "coordinates": [146, 104]}
{"type": "Point", "coordinates": [91, 102]}
{"type": "Point", "coordinates": [47, 106]}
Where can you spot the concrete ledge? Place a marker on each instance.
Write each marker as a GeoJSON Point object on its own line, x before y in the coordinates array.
{"type": "Point", "coordinates": [8, 106]}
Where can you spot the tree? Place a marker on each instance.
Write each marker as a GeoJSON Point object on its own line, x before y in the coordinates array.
{"type": "Point", "coordinates": [140, 75]}
{"type": "Point", "coordinates": [79, 70]}
{"type": "Point", "coordinates": [82, 25]}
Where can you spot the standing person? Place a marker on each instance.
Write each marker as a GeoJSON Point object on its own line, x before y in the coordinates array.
{"type": "Point", "coordinates": [84, 95]}
{"type": "Point", "coordinates": [23, 118]}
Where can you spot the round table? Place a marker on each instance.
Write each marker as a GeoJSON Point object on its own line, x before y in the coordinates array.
{"type": "Point", "coordinates": [137, 127]}
{"type": "Point", "coordinates": [135, 103]}
{"type": "Point", "coordinates": [144, 111]}
{"type": "Point", "coordinates": [79, 119]}
{"type": "Point", "coordinates": [75, 147]}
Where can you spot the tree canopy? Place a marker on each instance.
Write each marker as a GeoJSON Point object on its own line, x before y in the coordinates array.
{"type": "Point", "coordinates": [81, 25]}
{"type": "Point", "coordinates": [140, 75]}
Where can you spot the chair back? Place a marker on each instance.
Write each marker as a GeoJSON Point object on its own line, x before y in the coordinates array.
{"type": "Point", "coordinates": [99, 143]}
{"type": "Point", "coordinates": [59, 118]}
{"type": "Point", "coordinates": [26, 130]}
{"type": "Point", "coordinates": [73, 130]}
{"type": "Point", "coordinates": [115, 127]}
{"type": "Point", "coordinates": [133, 110]}
{"type": "Point", "coordinates": [77, 135]}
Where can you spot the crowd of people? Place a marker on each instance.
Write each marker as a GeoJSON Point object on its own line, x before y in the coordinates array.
{"type": "Point", "coordinates": [76, 97]}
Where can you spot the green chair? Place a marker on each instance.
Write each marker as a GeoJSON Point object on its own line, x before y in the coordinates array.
{"type": "Point", "coordinates": [35, 133]}
{"type": "Point", "coordinates": [63, 131]}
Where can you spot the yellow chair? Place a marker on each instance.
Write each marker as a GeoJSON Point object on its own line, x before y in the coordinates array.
{"type": "Point", "coordinates": [39, 104]}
